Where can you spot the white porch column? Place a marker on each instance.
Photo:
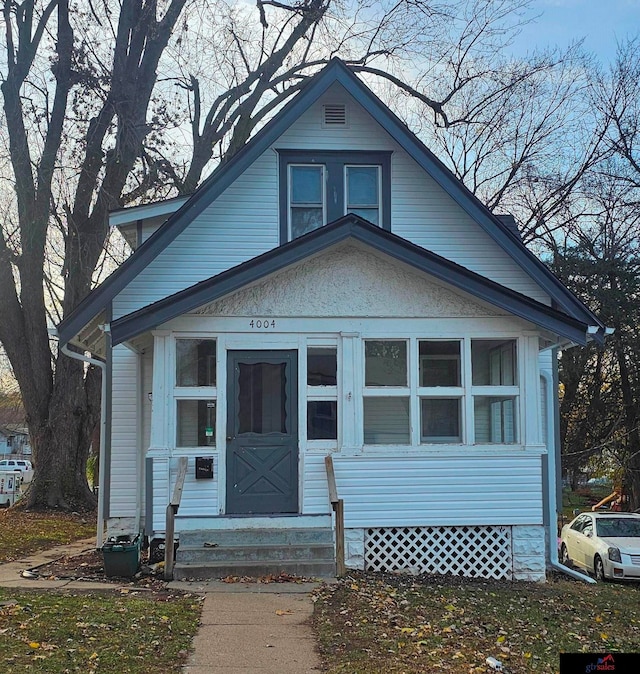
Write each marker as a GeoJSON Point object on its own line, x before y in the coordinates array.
{"type": "Point", "coordinates": [160, 397]}
{"type": "Point", "coordinates": [351, 431]}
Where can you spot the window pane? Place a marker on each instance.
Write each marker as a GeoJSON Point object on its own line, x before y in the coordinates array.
{"type": "Point", "coordinates": [386, 421]}
{"type": "Point", "coordinates": [322, 367]}
{"type": "Point", "coordinates": [195, 362]}
{"type": "Point", "coordinates": [362, 186]}
{"type": "Point", "coordinates": [370, 214]}
{"type": "Point", "coordinates": [322, 420]}
{"type": "Point", "coordinates": [304, 220]}
{"type": "Point", "coordinates": [385, 363]}
{"type": "Point", "coordinates": [306, 184]}
{"type": "Point", "coordinates": [495, 420]}
{"type": "Point", "coordinates": [440, 420]}
{"type": "Point", "coordinates": [439, 363]}
{"type": "Point", "coordinates": [196, 423]}
{"type": "Point", "coordinates": [493, 362]}
{"type": "Point", "coordinates": [262, 398]}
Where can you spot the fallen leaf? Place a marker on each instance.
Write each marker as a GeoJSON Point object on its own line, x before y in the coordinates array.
{"type": "Point", "coordinates": [286, 612]}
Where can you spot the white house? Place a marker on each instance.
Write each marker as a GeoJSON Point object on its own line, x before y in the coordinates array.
{"type": "Point", "coordinates": [334, 290]}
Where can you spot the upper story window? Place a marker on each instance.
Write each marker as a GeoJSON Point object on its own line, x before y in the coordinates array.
{"type": "Point", "coordinates": [363, 192]}
{"type": "Point", "coordinates": [318, 187]}
{"type": "Point", "coordinates": [306, 199]}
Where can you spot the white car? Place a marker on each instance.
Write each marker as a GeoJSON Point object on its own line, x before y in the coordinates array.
{"type": "Point", "coordinates": [606, 544]}
{"type": "Point", "coordinates": [24, 466]}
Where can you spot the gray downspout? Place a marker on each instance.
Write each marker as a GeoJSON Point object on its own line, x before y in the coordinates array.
{"type": "Point", "coordinates": [551, 481]}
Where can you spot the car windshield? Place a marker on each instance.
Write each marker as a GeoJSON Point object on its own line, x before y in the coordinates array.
{"type": "Point", "coordinates": [622, 527]}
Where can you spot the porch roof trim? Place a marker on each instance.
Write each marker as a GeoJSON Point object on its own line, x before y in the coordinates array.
{"type": "Point", "coordinates": [347, 227]}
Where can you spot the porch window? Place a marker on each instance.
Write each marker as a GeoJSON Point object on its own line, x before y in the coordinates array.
{"type": "Point", "coordinates": [495, 390]}
{"type": "Point", "coordinates": [440, 390]}
{"type": "Point", "coordinates": [386, 421]}
{"type": "Point", "coordinates": [322, 393]}
{"type": "Point", "coordinates": [386, 403]}
{"type": "Point", "coordinates": [495, 420]}
{"type": "Point", "coordinates": [440, 420]}
{"type": "Point", "coordinates": [385, 363]}
{"type": "Point", "coordinates": [196, 423]}
{"type": "Point", "coordinates": [195, 392]}
{"type": "Point", "coordinates": [195, 362]}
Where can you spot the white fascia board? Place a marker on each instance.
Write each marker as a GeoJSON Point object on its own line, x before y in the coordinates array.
{"type": "Point", "coordinates": [127, 216]}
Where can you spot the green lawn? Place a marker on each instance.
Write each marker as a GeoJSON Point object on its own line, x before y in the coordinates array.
{"type": "Point", "coordinates": [23, 532]}
{"type": "Point", "coordinates": [132, 633]}
{"type": "Point", "coordinates": [369, 624]}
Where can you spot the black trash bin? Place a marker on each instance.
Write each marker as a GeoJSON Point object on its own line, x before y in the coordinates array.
{"type": "Point", "coordinates": [121, 556]}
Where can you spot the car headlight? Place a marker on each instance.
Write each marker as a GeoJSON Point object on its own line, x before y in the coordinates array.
{"type": "Point", "coordinates": [614, 555]}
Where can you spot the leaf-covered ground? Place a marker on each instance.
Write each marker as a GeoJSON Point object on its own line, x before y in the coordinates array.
{"type": "Point", "coordinates": [127, 631]}
{"type": "Point", "coordinates": [369, 624]}
{"type": "Point", "coordinates": [23, 532]}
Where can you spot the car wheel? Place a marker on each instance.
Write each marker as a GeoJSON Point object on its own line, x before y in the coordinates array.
{"type": "Point", "coordinates": [598, 569]}
{"type": "Point", "coordinates": [564, 556]}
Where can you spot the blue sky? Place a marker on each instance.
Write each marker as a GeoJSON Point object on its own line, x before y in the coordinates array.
{"type": "Point", "coordinates": [600, 22]}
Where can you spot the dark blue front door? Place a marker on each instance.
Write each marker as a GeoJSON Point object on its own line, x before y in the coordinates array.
{"type": "Point", "coordinates": [262, 432]}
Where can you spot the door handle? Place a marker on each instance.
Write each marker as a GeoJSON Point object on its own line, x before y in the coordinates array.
{"type": "Point", "coordinates": [230, 438]}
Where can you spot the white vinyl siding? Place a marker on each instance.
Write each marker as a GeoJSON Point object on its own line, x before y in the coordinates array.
{"type": "Point", "coordinates": [124, 433]}
{"type": "Point", "coordinates": [429, 491]}
{"type": "Point", "coordinates": [241, 224]}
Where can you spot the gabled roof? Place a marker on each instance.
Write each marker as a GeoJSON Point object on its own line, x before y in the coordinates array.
{"type": "Point", "coordinates": [349, 227]}
{"type": "Point", "coordinates": [335, 72]}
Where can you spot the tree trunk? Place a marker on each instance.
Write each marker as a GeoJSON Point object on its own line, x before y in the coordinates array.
{"type": "Point", "coordinates": [61, 441]}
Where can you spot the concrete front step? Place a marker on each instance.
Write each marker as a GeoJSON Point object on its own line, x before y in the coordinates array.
{"type": "Point", "coordinates": [248, 553]}
{"type": "Point", "coordinates": [254, 569]}
{"type": "Point", "coordinates": [254, 552]}
{"type": "Point", "coordinates": [257, 536]}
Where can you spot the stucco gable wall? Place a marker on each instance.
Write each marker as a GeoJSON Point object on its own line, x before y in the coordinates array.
{"type": "Point", "coordinates": [348, 281]}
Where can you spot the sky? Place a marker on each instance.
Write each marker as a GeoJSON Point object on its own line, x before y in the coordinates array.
{"type": "Point", "coordinates": [600, 22]}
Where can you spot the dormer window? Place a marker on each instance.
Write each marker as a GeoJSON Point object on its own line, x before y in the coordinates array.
{"type": "Point", "coordinates": [363, 192]}
{"type": "Point", "coordinates": [318, 187]}
{"type": "Point", "coordinates": [306, 198]}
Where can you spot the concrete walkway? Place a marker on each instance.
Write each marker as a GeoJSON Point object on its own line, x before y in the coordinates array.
{"type": "Point", "coordinates": [245, 628]}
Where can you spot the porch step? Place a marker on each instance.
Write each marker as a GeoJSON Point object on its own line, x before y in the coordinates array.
{"type": "Point", "coordinates": [255, 552]}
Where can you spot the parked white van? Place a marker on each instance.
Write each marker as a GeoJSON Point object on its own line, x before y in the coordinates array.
{"type": "Point", "coordinates": [9, 487]}
{"type": "Point", "coordinates": [24, 466]}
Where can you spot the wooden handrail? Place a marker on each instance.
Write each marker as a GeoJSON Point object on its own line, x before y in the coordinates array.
{"type": "Point", "coordinates": [172, 509]}
{"type": "Point", "coordinates": [337, 505]}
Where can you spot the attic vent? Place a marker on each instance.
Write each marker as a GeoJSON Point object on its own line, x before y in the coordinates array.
{"type": "Point", "coordinates": [335, 114]}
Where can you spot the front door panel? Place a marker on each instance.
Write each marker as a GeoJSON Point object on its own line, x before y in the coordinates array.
{"type": "Point", "coordinates": [262, 432]}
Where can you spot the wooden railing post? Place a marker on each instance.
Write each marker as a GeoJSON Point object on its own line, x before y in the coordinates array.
{"type": "Point", "coordinates": [337, 505]}
{"type": "Point", "coordinates": [172, 509]}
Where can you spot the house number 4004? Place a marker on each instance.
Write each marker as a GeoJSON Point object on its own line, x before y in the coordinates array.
{"type": "Point", "coordinates": [262, 324]}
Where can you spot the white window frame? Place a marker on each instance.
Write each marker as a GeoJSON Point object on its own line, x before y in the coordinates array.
{"type": "Point", "coordinates": [194, 393]}
{"type": "Point", "coordinates": [442, 392]}
{"type": "Point", "coordinates": [320, 394]}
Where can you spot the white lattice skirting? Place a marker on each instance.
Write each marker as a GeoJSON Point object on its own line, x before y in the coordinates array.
{"type": "Point", "coordinates": [477, 552]}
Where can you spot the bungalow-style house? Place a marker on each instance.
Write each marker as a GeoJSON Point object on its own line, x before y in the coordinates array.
{"type": "Point", "coordinates": [333, 290]}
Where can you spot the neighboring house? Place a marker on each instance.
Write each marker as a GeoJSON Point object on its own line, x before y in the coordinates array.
{"type": "Point", "coordinates": [334, 289]}
{"type": "Point", "coordinates": [14, 439]}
